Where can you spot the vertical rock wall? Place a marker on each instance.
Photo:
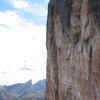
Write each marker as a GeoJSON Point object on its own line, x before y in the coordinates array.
{"type": "Point", "coordinates": [73, 50]}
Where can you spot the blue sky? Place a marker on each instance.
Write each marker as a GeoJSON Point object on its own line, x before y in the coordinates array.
{"type": "Point", "coordinates": [22, 40]}
{"type": "Point", "coordinates": [31, 10]}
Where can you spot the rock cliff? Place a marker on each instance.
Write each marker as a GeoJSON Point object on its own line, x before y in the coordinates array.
{"type": "Point", "coordinates": [73, 50]}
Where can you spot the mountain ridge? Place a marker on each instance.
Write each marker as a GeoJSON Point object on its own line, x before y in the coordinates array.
{"type": "Point", "coordinates": [25, 90]}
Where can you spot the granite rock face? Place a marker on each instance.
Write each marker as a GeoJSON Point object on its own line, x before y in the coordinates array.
{"type": "Point", "coordinates": [73, 50]}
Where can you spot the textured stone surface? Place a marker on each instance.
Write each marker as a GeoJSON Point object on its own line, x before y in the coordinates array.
{"type": "Point", "coordinates": [73, 50]}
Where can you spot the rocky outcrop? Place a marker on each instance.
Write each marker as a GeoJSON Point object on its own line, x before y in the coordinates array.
{"type": "Point", "coordinates": [73, 50]}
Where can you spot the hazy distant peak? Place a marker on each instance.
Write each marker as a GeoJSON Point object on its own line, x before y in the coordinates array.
{"type": "Point", "coordinates": [29, 82]}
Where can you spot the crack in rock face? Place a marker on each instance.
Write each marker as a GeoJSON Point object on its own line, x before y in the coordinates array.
{"type": "Point", "coordinates": [73, 50]}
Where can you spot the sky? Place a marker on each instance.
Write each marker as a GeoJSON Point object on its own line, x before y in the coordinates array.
{"type": "Point", "coordinates": [22, 40]}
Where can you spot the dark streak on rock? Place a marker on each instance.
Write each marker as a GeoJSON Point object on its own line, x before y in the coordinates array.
{"type": "Point", "coordinates": [90, 71]}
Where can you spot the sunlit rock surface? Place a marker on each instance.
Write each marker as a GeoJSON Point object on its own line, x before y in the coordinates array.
{"type": "Point", "coordinates": [73, 50]}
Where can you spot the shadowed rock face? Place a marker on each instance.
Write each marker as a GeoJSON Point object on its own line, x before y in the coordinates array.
{"type": "Point", "coordinates": [73, 50]}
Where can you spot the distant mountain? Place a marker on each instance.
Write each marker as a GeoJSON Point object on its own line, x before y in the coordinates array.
{"type": "Point", "coordinates": [19, 88]}
{"type": "Point", "coordinates": [6, 96]}
{"type": "Point", "coordinates": [26, 91]}
{"type": "Point", "coordinates": [39, 86]}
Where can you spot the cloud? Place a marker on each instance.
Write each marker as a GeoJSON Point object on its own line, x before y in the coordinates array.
{"type": "Point", "coordinates": [26, 69]}
{"type": "Point", "coordinates": [20, 4]}
{"type": "Point", "coordinates": [21, 44]}
{"type": "Point", "coordinates": [10, 19]}
{"type": "Point", "coordinates": [2, 25]}
{"type": "Point", "coordinates": [37, 9]}
{"type": "Point", "coordinates": [4, 72]}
